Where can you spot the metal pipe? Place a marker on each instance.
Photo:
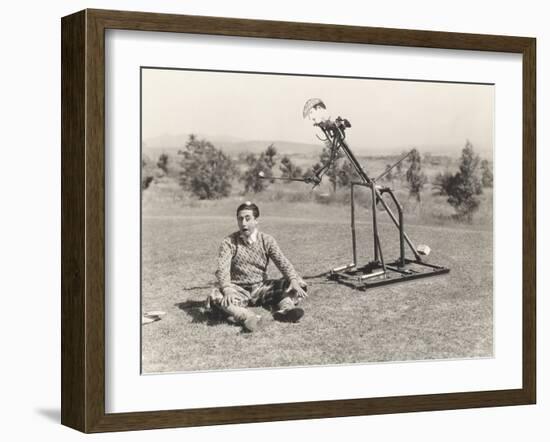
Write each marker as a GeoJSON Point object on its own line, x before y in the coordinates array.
{"type": "Point", "coordinates": [400, 270]}
{"type": "Point", "coordinates": [396, 222]}
{"type": "Point", "coordinates": [378, 255]}
{"type": "Point", "coordinates": [401, 228]}
{"type": "Point", "coordinates": [375, 225]}
{"type": "Point", "coordinates": [383, 174]}
{"type": "Point", "coordinates": [354, 162]}
{"type": "Point", "coordinates": [263, 177]}
{"type": "Point", "coordinates": [342, 268]}
{"type": "Point", "coordinates": [401, 239]}
{"type": "Point", "coordinates": [353, 238]}
{"type": "Point", "coordinates": [371, 275]}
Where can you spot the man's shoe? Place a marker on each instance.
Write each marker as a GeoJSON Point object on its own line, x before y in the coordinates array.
{"type": "Point", "coordinates": [252, 323]}
{"type": "Point", "coordinates": [289, 315]}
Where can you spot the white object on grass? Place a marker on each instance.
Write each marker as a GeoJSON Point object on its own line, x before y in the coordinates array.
{"type": "Point", "coordinates": [423, 249]}
{"type": "Point", "coordinates": [153, 316]}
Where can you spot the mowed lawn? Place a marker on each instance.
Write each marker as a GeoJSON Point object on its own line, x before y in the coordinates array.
{"type": "Point", "coordinates": [448, 316]}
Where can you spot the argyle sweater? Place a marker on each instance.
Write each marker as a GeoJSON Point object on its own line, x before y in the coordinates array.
{"type": "Point", "coordinates": [246, 264]}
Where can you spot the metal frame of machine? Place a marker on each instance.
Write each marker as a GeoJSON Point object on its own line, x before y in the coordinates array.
{"type": "Point", "coordinates": [378, 271]}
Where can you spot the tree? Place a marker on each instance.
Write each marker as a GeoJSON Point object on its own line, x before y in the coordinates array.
{"type": "Point", "coordinates": [333, 168]}
{"type": "Point", "coordinates": [312, 171]}
{"type": "Point", "coordinates": [149, 172]}
{"type": "Point", "coordinates": [289, 169]}
{"type": "Point", "coordinates": [464, 187]}
{"type": "Point", "coordinates": [486, 174]}
{"type": "Point", "coordinates": [399, 167]}
{"type": "Point", "coordinates": [340, 173]}
{"type": "Point", "coordinates": [205, 170]}
{"type": "Point", "coordinates": [416, 178]}
{"type": "Point", "coordinates": [389, 173]}
{"type": "Point", "coordinates": [162, 163]}
{"type": "Point", "coordinates": [346, 174]}
{"type": "Point", "coordinates": [260, 169]}
{"type": "Point", "coordinates": [335, 172]}
{"type": "Point", "coordinates": [269, 156]}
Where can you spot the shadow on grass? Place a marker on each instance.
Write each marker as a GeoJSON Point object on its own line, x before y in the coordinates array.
{"type": "Point", "coordinates": [210, 317]}
{"type": "Point", "coordinates": [200, 314]}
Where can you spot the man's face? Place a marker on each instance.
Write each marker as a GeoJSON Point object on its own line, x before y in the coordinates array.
{"type": "Point", "coordinates": [247, 222]}
{"type": "Point", "coordinates": [318, 114]}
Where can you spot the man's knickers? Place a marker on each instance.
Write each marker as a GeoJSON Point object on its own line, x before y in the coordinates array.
{"type": "Point", "coordinates": [268, 293]}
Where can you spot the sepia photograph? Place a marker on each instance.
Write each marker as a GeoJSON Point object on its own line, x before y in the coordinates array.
{"type": "Point", "coordinates": [307, 220]}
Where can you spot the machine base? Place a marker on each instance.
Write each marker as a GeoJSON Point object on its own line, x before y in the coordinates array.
{"type": "Point", "coordinates": [373, 274]}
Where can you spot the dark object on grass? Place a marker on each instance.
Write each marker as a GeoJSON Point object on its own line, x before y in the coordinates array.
{"type": "Point", "coordinates": [290, 315]}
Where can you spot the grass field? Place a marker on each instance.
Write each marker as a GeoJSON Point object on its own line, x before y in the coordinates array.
{"type": "Point", "coordinates": [449, 316]}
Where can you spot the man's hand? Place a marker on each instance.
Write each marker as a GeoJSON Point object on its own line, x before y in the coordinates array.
{"type": "Point", "coordinates": [230, 295]}
{"type": "Point", "coordinates": [296, 287]}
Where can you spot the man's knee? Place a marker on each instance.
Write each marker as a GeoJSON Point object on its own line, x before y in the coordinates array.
{"type": "Point", "coordinates": [215, 298]}
{"type": "Point", "coordinates": [273, 291]}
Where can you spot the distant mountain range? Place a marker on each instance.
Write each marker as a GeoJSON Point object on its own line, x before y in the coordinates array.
{"type": "Point", "coordinates": [170, 144]}
{"type": "Point", "coordinates": [230, 145]}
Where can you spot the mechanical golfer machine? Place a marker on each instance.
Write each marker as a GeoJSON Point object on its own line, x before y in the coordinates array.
{"type": "Point", "coordinates": [378, 271]}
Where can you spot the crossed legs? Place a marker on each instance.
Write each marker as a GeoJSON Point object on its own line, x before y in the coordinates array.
{"type": "Point", "coordinates": [271, 293]}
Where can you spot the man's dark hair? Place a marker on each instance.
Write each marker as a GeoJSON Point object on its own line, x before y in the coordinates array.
{"type": "Point", "coordinates": [249, 206]}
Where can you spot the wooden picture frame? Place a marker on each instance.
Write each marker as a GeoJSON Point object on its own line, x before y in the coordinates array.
{"type": "Point", "coordinates": [83, 220]}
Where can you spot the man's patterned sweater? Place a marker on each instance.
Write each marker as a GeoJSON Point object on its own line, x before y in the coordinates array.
{"type": "Point", "coordinates": [242, 263]}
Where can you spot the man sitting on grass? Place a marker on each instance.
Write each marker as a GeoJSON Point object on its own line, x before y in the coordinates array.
{"type": "Point", "coordinates": [242, 278]}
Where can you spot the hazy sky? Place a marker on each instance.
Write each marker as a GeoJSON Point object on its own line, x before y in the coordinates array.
{"type": "Point", "coordinates": [385, 114]}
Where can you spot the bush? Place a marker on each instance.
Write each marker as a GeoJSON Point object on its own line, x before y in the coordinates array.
{"type": "Point", "coordinates": [162, 163]}
{"type": "Point", "coordinates": [289, 169]}
{"type": "Point", "coordinates": [486, 174]}
{"type": "Point", "coordinates": [335, 166]}
{"type": "Point", "coordinates": [346, 174]}
{"type": "Point", "coordinates": [205, 171]}
{"type": "Point", "coordinates": [149, 172]}
{"type": "Point", "coordinates": [329, 162]}
{"type": "Point", "coordinates": [416, 178]}
{"type": "Point", "coordinates": [260, 169]}
{"type": "Point", "coordinates": [464, 187]}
